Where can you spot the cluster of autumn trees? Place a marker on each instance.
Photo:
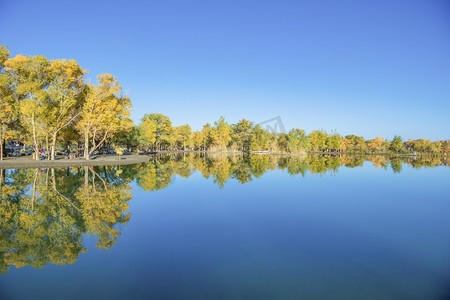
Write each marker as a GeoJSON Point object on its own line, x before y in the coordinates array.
{"type": "Point", "coordinates": [44, 102]}
{"type": "Point", "coordinates": [156, 132]}
{"type": "Point", "coordinates": [354, 143]}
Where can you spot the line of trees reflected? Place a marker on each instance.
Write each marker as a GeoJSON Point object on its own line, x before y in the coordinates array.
{"type": "Point", "coordinates": [159, 172]}
{"type": "Point", "coordinates": [44, 213]}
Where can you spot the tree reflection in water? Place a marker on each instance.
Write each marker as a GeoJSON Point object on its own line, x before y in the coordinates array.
{"type": "Point", "coordinates": [44, 213]}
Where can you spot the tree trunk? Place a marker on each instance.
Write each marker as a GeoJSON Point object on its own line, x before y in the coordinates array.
{"type": "Point", "coordinates": [86, 145]}
{"type": "Point", "coordinates": [33, 195]}
{"type": "Point", "coordinates": [86, 177]}
{"type": "Point", "coordinates": [94, 145]}
{"type": "Point", "coordinates": [53, 146]}
{"type": "Point", "coordinates": [46, 146]}
{"type": "Point", "coordinates": [36, 148]}
{"type": "Point", "coordinates": [1, 145]}
{"type": "Point", "coordinates": [53, 178]}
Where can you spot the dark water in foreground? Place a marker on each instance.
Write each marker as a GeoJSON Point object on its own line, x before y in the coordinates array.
{"type": "Point", "coordinates": [254, 227]}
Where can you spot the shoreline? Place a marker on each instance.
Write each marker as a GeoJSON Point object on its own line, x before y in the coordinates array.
{"type": "Point", "coordinates": [24, 162]}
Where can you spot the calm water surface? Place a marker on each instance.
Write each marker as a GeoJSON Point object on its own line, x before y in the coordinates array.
{"type": "Point", "coordinates": [217, 227]}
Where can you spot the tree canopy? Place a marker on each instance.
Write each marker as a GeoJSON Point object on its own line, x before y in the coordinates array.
{"type": "Point", "coordinates": [49, 105]}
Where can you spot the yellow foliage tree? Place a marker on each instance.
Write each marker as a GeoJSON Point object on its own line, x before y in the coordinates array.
{"type": "Point", "coordinates": [28, 78]}
{"type": "Point", "coordinates": [147, 133]}
{"type": "Point", "coordinates": [66, 93]}
{"type": "Point", "coordinates": [104, 112]}
{"type": "Point", "coordinates": [8, 111]}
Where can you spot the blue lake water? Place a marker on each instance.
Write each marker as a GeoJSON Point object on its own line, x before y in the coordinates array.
{"type": "Point", "coordinates": [228, 228]}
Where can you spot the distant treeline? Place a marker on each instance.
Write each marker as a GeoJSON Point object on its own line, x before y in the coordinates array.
{"type": "Point", "coordinates": [47, 104]}
{"type": "Point", "coordinates": [155, 132]}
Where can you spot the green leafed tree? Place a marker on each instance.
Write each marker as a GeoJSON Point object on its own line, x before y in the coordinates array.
{"type": "Point", "coordinates": [397, 144]}
{"type": "Point", "coordinates": [223, 132]}
{"type": "Point", "coordinates": [242, 134]}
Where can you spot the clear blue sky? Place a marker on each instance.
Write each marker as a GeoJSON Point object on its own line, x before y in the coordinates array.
{"type": "Point", "coordinates": [372, 68]}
